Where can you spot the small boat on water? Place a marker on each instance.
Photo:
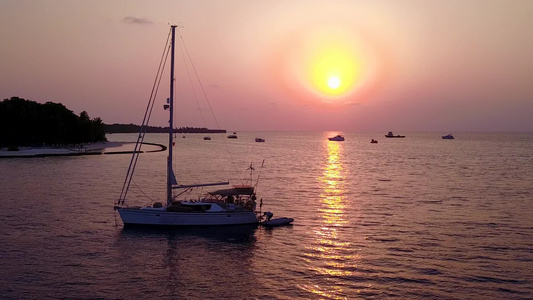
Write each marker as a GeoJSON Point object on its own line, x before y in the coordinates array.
{"type": "Point", "coordinates": [337, 138]}
{"type": "Point", "coordinates": [259, 140]}
{"type": "Point", "coordinates": [390, 135]}
{"type": "Point", "coordinates": [373, 141]}
{"type": "Point", "coordinates": [232, 136]}
{"type": "Point", "coordinates": [448, 137]}
{"type": "Point", "coordinates": [267, 221]}
{"type": "Point", "coordinates": [207, 138]}
{"type": "Point", "coordinates": [278, 222]}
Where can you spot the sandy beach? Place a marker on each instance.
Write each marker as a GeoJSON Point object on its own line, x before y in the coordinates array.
{"type": "Point", "coordinates": [88, 149]}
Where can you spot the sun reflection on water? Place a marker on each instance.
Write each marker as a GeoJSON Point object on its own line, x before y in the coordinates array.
{"type": "Point", "coordinates": [330, 255]}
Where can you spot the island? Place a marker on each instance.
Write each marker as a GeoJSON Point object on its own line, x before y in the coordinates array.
{"type": "Point", "coordinates": [26, 123]}
{"type": "Point", "coordinates": [34, 129]}
{"type": "Point", "coordinates": [132, 128]}
{"type": "Point", "coordinates": [31, 129]}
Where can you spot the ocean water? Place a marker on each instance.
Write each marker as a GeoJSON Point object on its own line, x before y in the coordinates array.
{"type": "Point", "coordinates": [413, 218]}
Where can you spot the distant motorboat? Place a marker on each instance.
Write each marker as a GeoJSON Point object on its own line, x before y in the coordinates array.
{"type": "Point", "coordinates": [207, 138]}
{"type": "Point", "coordinates": [232, 136]}
{"type": "Point", "coordinates": [373, 141]}
{"type": "Point", "coordinates": [337, 138]}
{"type": "Point", "coordinates": [259, 140]}
{"type": "Point", "coordinates": [448, 137]}
{"type": "Point", "coordinates": [390, 135]}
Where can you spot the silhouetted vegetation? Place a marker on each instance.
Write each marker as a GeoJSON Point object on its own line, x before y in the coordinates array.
{"type": "Point", "coordinates": [132, 128]}
{"type": "Point", "coordinates": [28, 123]}
{"type": "Point", "coordinates": [198, 130]}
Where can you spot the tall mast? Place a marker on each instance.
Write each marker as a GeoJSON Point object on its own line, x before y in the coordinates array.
{"type": "Point", "coordinates": [170, 174]}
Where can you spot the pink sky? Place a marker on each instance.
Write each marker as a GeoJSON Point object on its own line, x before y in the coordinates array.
{"type": "Point", "coordinates": [454, 65]}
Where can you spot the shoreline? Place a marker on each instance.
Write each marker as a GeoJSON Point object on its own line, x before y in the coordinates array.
{"type": "Point", "coordinates": [98, 148]}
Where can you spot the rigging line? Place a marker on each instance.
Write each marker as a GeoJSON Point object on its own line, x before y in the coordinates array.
{"type": "Point", "coordinates": [158, 81]}
{"type": "Point", "coordinates": [182, 46]}
{"type": "Point", "coordinates": [190, 81]}
{"type": "Point", "coordinates": [157, 89]}
{"type": "Point", "coordinates": [161, 69]}
{"type": "Point", "coordinates": [140, 137]}
{"type": "Point", "coordinates": [142, 192]}
{"type": "Point", "coordinates": [145, 126]}
{"type": "Point", "coordinates": [207, 100]}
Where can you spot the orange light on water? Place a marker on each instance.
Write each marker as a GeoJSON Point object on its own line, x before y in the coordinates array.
{"type": "Point", "coordinates": [331, 255]}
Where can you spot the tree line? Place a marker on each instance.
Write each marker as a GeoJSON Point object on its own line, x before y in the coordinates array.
{"type": "Point", "coordinates": [28, 123]}
{"type": "Point", "coordinates": [132, 128]}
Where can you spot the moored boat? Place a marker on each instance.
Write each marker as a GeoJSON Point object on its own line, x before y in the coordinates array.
{"type": "Point", "coordinates": [448, 137]}
{"type": "Point", "coordinates": [278, 222]}
{"type": "Point", "coordinates": [259, 140]}
{"type": "Point", "coordinates": [233, 206]}
{"type": "Point", "coordinates": [390, 135]}
{"type": "Point", "coordinates": [267, 221]}
{"type": "Point", "coordinates": [337, 138]}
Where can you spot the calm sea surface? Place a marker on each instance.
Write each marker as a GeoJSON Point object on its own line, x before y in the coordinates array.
{"type": "Point", "coordinates": [413, 218]}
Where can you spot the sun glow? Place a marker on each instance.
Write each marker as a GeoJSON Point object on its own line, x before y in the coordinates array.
{"type": "Point", "coordinates": [334, 82]}
{"type": "Point", "coordinates": [333, 67]}
{"type": "Point", "coordinates": [330, 66]}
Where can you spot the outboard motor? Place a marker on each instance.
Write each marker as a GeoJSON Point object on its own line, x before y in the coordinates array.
{"type": "Point", "coordinates": [268, 215]}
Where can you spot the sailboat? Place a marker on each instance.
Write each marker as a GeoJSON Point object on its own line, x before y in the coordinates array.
{"type": "Point", "coordinates": [230, 206]}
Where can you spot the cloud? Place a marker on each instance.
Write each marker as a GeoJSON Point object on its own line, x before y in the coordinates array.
{"type": "Point", "coordinates": [135, 20]}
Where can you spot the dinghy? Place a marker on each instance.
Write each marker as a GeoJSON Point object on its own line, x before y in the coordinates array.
{"type": "Point", "coordinates": [277, 222]}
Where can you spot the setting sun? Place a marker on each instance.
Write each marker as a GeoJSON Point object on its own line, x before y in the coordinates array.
{"type": "Point", "coordinates": [333, 62]}
{"type": "Point", "coordinates": [334, 69]}
{"type": "Point", "coordinates": [334, 82]}
{"type": "Point", "coordinates": [327, 65]}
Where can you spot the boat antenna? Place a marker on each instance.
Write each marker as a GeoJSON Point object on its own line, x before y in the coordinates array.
{"type": "Point", "coordinates": [251, 168]}
{"type": "Point", "coordinates": [259, 175]}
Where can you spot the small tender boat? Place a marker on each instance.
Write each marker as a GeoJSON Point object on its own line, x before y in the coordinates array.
{"type": "Point", "coordinates": [373, 141]}
{"type": "Point", "coordinates": [390, 135]}
{"type": "Point", "coordinates": [207, 138]}
{"type": "Point", "coordinates": [259, 140]}
{"type": "Point", "coordinates": [232, 136]}
{"type": "Point", "coordinates": [448, 137]}
{"type": "Point", "coordinates": [337, 138]}
{"type": "Point", "coordinates": [267, 221]}
{"type": "Point", "coordinates": [277, 222]}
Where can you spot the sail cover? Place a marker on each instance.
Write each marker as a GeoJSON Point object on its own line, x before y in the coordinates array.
{"type": "Point", "coordinates": [234, 191]}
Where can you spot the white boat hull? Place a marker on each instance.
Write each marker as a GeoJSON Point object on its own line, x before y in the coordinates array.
{"type": "Point", "coordinates": [149, 217]}
{"type": "Point", "coordinates": [277, 222]}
